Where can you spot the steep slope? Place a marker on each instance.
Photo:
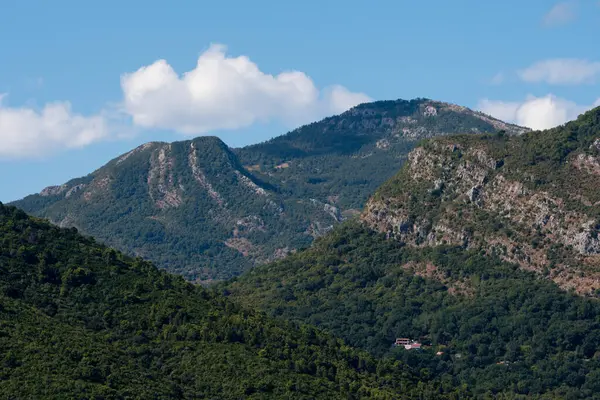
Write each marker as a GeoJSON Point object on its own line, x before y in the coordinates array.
{"type": "Point", "coordinates": [531, 199]}
{"type": "Point", "coordinates": [468, 248]}
{"type": "Point", "coordinates": [188, 206]}
{"type": "Point", "coordinates": [192, 208]}
{"type": "Point", "coordinates": [78, 320]}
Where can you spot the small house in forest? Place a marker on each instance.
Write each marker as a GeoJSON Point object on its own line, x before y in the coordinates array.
{"type": "Point", "coordinates": [408, 344]}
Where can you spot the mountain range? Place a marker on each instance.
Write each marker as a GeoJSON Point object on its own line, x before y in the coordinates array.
{"type": "Point", "coordinates": [205, 211]}
{"type": "Point", "coordinates": [485, 247]}
{"type": "Point", "coordinates": [481, 251]}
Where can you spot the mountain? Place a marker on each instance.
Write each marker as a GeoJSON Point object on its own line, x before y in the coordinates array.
{"type": "Point", "coordinates": [79, 320]}
{"type": "Point", "coordinates": [189, 206]}
{"type": "Point", "coordinates": [483, 247]}
{"type": "Point", "coordinates": [532, 199]}
{"type": "Point", "coordinates": [345, 158]}
{"type": "Point", "coordinates": [205, 211]}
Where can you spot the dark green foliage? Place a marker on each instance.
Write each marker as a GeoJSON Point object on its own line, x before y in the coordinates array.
{"type": "Point", "coordinates": [546, 158]}
{"type": "Point", "coordinates": [78, 320]}
{"type": "Point", "coordinates": [354, 284]}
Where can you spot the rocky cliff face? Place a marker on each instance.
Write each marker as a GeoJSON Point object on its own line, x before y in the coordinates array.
{"type": "Point", "coordinates": [490, 193]}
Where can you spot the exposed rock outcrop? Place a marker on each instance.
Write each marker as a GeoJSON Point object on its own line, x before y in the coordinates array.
{"type": "Point", "coordinates": [201, 178]}
{"type": "Point", "coordinates": [53, 190]}
{"type": "Point", "coordinates": [74, 190]}
{"type": "Point", "coordinates": [457, 193]}
{"type": "Point", "coordinates": [162, 188]}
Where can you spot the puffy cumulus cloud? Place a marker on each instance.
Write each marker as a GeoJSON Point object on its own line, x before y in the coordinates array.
{"type": "Point", "coordinates": [535, 112]}
{"type": "Point", "coordinates": [562, 71]}
{"type": "Point", "coordinates": [26, 132]}
{"type": "Point", "coordinates": [224, 92]}
{"type": "Point", "coordinates": [561, 14]}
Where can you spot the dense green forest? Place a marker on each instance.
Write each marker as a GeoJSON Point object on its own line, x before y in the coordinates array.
{"type": "Point", "coordinates": [205, 211]}
{"type": "Point", "coordinates": [464, 250]}
{"type": "Point", "coordinates": [501, 330]}
{"type": "Point", "coordinates": [79, 320]}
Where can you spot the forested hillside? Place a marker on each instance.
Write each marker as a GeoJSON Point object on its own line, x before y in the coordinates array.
{"type": "Point", "coordinates": [500, 330]}
{"type": "Point", "coordinates": [479, 249]}
{"type": "Point", "coordinates": [484, 247]}
{"type": "Point", "coordinates": [188, 206]}
{"type": "Point", "coordinates": [345, 158]}
{"type": "Point", "coordinates": [79, 320]}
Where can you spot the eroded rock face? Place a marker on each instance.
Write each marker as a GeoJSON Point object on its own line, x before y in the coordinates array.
{"type": "Point", "coordinates": [135, 151]}
{"type": "Point", "coordinates": [53, 190]}
{"type": "Point", "coordinates": [588, 163]}
{"type": "Point", "coordinates": [418, 126]}
{"type": "Point", "coordinates": [68, 191]}
{"type": "Point", "coordinates": [74, 190]}
{"type": "Point", "coordinates": [333, 211]}
{"type": "Point", "coordinates": [162, 187]}
{"type": "Point", "coordinates": [248, 183]}
{"type": "Point", "coordinates": [201, 178]}
{"type": "Point", "coordinates": [430, 111]}
{"type": "Point", "coordinates": [468, 200]}
{"type": "Point", "coordinates": [382, 144]}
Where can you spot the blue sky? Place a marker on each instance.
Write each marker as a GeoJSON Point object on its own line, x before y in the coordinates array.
{"type": "Point", "coordinates": [81, 82]}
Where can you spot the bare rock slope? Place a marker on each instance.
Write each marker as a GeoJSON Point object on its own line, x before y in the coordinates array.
{"type": "Point", "coordinates": [532, 199]}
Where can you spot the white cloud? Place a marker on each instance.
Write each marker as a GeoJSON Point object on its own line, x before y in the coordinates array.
{"type": "Point", "coordinates": [561, 14]}
{"type": "Point", "coordinates": [224, 92]}
{"type": "Point", "coordinates": [503, 110]}
{"type": "Point", "coordinates": [26, 132]}
{"type": "Point", "coordinates": [338, 99]}
{"type": "Point", "coordinates": [562, 71]}
{"type": "Point", "coordinates": [220, 93]}
{"type": "Point", "coordinates": [535, 112]}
